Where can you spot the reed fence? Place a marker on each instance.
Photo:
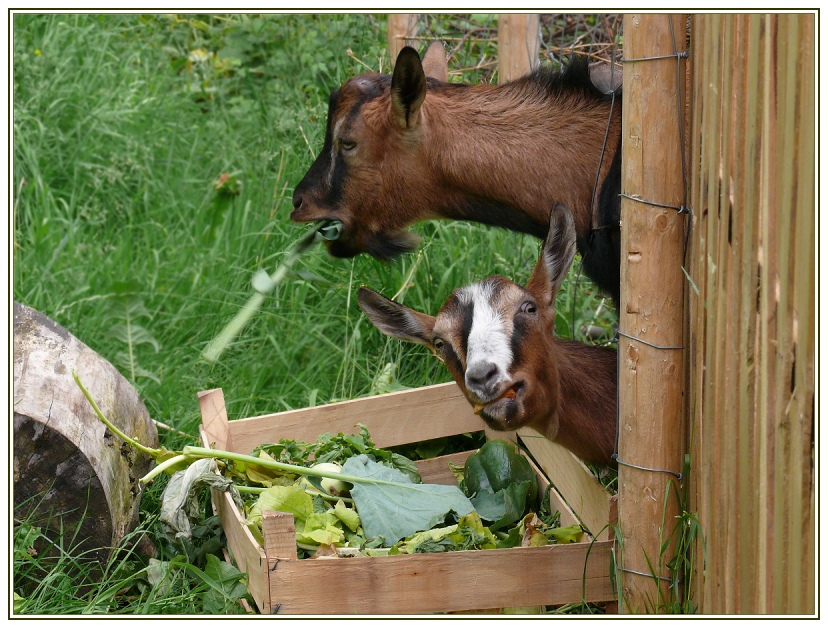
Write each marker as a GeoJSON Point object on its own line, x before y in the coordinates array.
{"type": "Point", "coordinates": [749, 277]}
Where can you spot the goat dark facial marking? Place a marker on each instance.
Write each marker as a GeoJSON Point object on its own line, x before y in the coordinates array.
{"type": "Point", "coordinates": [497, 340]}
{"type": "Point", "coordinates": [411, 147]}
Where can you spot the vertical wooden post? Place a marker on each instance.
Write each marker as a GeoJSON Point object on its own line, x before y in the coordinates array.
{"type": "Point", "coordinates": [401, 26]}
{"type": "Point", "coordinates": [518, 45]}
{"type": "Point", "coordinates": [652, 303]}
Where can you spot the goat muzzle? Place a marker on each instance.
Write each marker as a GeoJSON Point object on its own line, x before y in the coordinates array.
{"type": "Point", "coordinates": [509, 393]}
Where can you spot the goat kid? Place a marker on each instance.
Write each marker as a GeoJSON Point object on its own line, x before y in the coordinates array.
{"type": "Point", "coordinates": [411, 147]}
{"type": "Point", "coordinates": [497, 340]}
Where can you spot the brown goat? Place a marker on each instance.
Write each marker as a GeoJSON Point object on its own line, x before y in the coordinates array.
{"type": "Point", "coordinates": [497, 340]}
{"type": "Point", "coordinates": [412, 147]}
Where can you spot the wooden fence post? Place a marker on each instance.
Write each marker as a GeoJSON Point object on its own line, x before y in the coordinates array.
{"type": "Point", "coordinates": [401, 27]}
{"type": "Point", "coordinates": [652, 303]}
{"type": "Point", "coordinates": [518, 44]}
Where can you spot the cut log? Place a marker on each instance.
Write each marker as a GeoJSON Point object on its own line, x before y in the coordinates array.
{"type": "Point", "coordinates": [70, 472]}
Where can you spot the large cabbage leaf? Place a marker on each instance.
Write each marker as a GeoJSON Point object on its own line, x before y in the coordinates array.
{"type": "Point", "coordinates": [391, 506]}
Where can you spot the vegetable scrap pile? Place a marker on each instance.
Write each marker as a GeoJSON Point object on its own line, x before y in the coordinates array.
{"type": "Point", "coordinates": [366, 501]}
{"type": "Point", "coordinates": [349, 497]}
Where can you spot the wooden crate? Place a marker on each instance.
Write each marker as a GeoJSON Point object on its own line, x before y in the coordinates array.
{"type": "Point", "coordinates": [422, 583]}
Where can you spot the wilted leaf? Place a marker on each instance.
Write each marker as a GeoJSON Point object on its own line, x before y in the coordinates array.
{"type": "Point", "coordinates": [179, 501]}
{"type": "Point", "coordinates": [158, 575]}
{"type": "Point", "coordinates": [533, 532]}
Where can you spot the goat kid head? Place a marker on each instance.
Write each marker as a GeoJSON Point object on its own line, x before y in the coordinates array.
{"type": "Point", "coordinates": [368, 162]}
{"type": "Point", "coordinates": [495, 337]}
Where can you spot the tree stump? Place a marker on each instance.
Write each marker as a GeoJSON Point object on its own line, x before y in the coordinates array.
{"type": "Point", "coordinates": [70, 472]}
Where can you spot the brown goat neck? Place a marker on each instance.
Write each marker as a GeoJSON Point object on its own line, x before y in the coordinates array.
{"type": "Point", "coordinates": [585, 421]}
{"type": "Point", "coordinates": [520, 145]}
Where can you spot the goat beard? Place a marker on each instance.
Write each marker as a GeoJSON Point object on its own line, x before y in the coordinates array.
{"type": "Point", "coordinates": [382, 246]}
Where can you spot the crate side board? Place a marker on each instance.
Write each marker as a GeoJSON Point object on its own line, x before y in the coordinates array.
{"type": "Point", "coordinates": [392, 419]}
{"type": "Point", "coordinates": [245, 551]}
{"type": "Point", "coordinates": [582, 490]}
{"type": "Point", "coordinates": [215, 427]}
{"type": "Point", "coordinates": [437, 471]}
{"type": "Point", "coordinates": [453, 581]}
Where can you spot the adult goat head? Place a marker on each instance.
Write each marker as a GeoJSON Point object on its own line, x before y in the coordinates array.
{"type": "Point", "coordinates": [411, 147]}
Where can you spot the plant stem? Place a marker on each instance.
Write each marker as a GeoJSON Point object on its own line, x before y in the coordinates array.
{"type": "Point", "coordinates": [170, 462]}
{"type": "Point", "coordinates": [255, 490]}
{"type": "Point", "coordinates": [134, 443]}
{"type": "Point", "coordinates": [191, 454]}
{"type": "Point", "coordinates": [203, 452]}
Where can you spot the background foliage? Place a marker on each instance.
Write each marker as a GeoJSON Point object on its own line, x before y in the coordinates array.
{"type": "Point", "coordinates": [154, 158]}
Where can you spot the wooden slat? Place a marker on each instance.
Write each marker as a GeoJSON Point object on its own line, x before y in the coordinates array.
{"type": "Point", "coordinates": [801, 509]}
{"type": "Point", "coordinates": [518, 44]}
{"type": "Point", "coordinates": [215, 429]}
{"type": "Point", "coordinates": [402, 27]}
{"type": "Point", "coordinates": [747, 179]}
{"type": "Point", "coordinates": [279, 532]}
{"type": "Point", "coordinates": [766, 371]}
{"type": "Point", "coordinates": [245, 551]}
{"type": "Point", "coordinates": [453, 581]}
{"type": "Point", "coordinates": [697, 292]}
{"type": "Point", "coordinates": [437, 471]}
{"type": "Point", "coordinates": [392, 419]}
{"type": "Point", "coordinates": [578, 487]}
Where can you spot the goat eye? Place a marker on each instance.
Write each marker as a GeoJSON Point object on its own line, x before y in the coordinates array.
{"type": "Point", "coordinates": [347, 145]}
{"type": "Point", "coordinates": [438, 343]}
{"type": "Point", "coordinates": [528, 308]}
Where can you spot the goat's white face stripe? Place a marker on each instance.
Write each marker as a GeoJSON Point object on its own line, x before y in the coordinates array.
{"type": "Point", "coordinates": [489, 340]}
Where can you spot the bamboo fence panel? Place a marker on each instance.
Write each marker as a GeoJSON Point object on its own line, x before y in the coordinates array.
{"type": "Point", "coordinates": [751, 369]}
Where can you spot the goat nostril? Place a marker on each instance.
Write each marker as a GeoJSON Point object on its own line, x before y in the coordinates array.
{"type": "Point", "coordinates": [481, 374]}
{"type": "Point", "coordinates": [297, 202]}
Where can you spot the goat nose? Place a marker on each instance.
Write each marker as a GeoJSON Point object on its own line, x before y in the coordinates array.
{"type": "Point", "coordinates": [481, 378]}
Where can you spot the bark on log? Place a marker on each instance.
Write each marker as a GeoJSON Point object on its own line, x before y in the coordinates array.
{"type": "Point", "coordinates": [70, 472]}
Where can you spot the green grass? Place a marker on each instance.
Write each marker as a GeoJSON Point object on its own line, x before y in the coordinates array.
{"type": "Point", "coordinates": [122, 126]}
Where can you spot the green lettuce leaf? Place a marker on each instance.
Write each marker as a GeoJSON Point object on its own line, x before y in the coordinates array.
{"type": "Point", "coordinates": [282, 499]}
{"type": "Point", "coordinates": [348, 516]}
{"type": "Point", "coordinates": [321, 529]}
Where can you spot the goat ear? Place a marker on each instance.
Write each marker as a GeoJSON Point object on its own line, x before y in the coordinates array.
{"type": "Point", "coordinates": [434, 62]}
{"type": "Point", "coordinates": [395, 320]}
{"type": "Point", "coordinates": [408, 87]}
{"type": "Point", "coordinates": [555, 258]}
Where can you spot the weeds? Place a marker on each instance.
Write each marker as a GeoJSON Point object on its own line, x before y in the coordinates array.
{"type": "Point", "coordinates": [677, 554]}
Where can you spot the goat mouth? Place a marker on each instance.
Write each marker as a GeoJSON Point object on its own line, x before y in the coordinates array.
{"type": "Point", "coordinates": [509, 394]}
